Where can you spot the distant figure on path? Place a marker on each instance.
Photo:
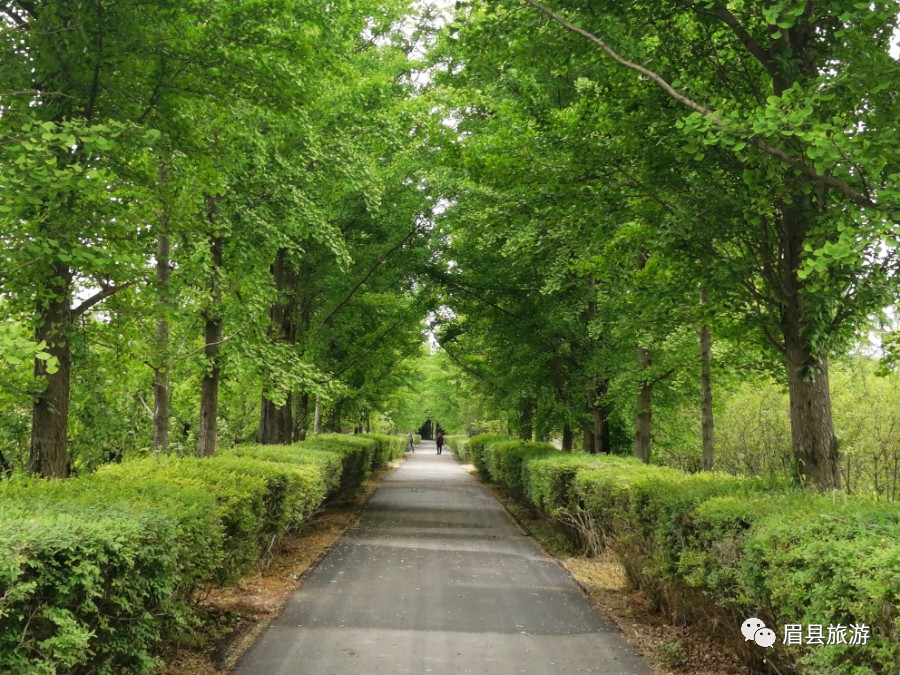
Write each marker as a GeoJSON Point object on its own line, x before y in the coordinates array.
{"type": "Point", "coordinates": [411, 445]}
{"type": "Point", "coordinates": [440, 441]}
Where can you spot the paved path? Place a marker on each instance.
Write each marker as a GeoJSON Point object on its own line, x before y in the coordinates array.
{"type": "Point", "coordinates": [436, 578]}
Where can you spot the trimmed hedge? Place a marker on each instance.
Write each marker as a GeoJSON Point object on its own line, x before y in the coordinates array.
{"type": "Point", "coordinates": [717, 549]}
{"type": "Point", "coordinates": [505, 460]}
{"type": "Point", "coordinates": [82, 589]}
{"type": "Point", "coordinates": [95, 570]}
{"type": "Point", "coordinates": [477, 446]}
{"type": "Point", "coordinates": [358, 454]}
{"type": "Point", "coordinates": [803, 559]}
{"type": "Point", "coordinates": [458, 445]}
{"type": "Point", "coordinates": [389, 448]}
{"type": "Point", "coordinates": [548, 480]}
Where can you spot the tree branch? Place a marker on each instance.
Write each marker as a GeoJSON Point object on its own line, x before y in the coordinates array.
{"type": "Point", "coordinates": [750, 43]}
{"type": "Point", "coordinates": [368, 274]}
{"type": "Point", "coordinates": [855, 196]}
{"type": "Point", "coordinates": [469, 370]}
{"type": "Point", "coordinates": [99, 296]}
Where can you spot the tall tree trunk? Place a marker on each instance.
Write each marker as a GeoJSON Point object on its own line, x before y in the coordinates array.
{"type": "Point", "coordinates": [644, 418]}
{"type": "Point", "coordinates": [588, 438]}
{"type": "Point", "coordinates": [598, 429]}
{"type": "Point", "coordinates": [317, 417]}
{"type": "Point", "coordinates": [812, 429]}
{"type": "Point", "coordinates": [301, 419]}
{"type": "Point", "coordinates": [526, 420]}
{"type": "Point", "coordinates": [706, 401]}
{"type": "Point", "coordinates": [276, 420]}
{"type": "Point", "coordinates": [161, 371]}
{"type": "Point", "coordinates": [5, 466]}
{"type": "Point", "coordinates": [602, 443]}
{"type": "Point", "coordinates": [207, 436]}
{"type": "Point", "coordinates": [49, 453]}
{"type": "Point", "coordinates": [568, 439]}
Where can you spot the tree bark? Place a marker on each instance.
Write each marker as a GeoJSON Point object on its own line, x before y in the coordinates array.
{"type": "Point", "coordinates": [5, 466]}
{"type": "Point", "coordinates": [567, 439]}
{"type": "Point", "coordinates": [49, 452]}
{"type": "Point", "coordinates": [601, 431]}
{"type": "Point", "coordinates": [814, 442]}
{"type": "Point", "coordinates": [161, 370]}
{"type": "Point", "coordinates": [317, 417]}
{"type": "Point", "coordinates": [598, 428]}
{"type": "Point", "coordinates": [706, 401]}
{"type": "Point", "coordinates": [301, 419]}
{"type": "Point", "coordinates": [276, 422]}
{"type": "Point", "coordinates": [207, 436]}
{"type": "Point", "coordinates": [526, 420]}
{"type": "Point", "coordinates": [812, 432]}
{"type": "Point", "coordinates": [587, 441]}
{"type": "Point", "coordinates": [644, 419]}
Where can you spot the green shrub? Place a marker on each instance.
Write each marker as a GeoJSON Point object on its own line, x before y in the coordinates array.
{"type": "Point", "coordinates": [504, 460]}
{"type": "Point", "coordinates": [83, 590]}
{"type": "Point", "coordinates": [638, 508]}
{"type": "Point", "coordinates": [357, 452]}
{"type": "Point", "coordinates": [199, 547]}
{"type": "Point", "coordinates": [94, 570]}
{"type": "Point", "coordinates": [389, 448]}
{"type": "Point", "coordinates": [459, 446]}
{"type": "Point", "coordinates": [719, 548]}
{"type": "Point", "coordinates": [476, 449]}
{"type": "Point", "coordinates": [242, 499]}
{"type": "Point", "coordinates": [548, 480]}
{"type": "Point", "coordinates": [329, 464]}
{"type": "Point", "coordinates": [805, 559]}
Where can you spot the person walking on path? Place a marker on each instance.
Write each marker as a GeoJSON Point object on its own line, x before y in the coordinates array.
{"type": "Point", "coordinates": [411, 445]}
{"type": "Point", "coordinates": [440, 441]}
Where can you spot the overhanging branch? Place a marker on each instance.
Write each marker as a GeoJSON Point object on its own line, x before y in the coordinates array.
{"type": "Point", "coordinates": [855, 196]}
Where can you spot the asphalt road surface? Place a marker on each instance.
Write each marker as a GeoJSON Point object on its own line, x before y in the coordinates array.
{"type": "Point", "coordinates": [435, 577]}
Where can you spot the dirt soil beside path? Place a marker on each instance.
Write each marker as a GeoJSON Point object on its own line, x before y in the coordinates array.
{"type": "Point", "coordinates": [670, 649]}
{"type": "Point", "coordinates": [234, 616]}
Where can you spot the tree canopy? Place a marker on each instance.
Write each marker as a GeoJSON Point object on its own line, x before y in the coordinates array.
{"type": "Point", "coordinates": [224, 222]}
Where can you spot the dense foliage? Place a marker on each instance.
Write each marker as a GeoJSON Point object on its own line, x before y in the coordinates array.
{"type": "Point", "coordinates": [210, 224]}
{"type": "Point", "coordinates": [616, 239]}
{"type": "Point", "coordinates": [664, 229]}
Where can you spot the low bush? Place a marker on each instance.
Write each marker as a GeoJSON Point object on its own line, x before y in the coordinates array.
{"type": "Point", "coordinates": [243, 498]}
{"type": "Point", "coordinates": [199, 544]}
{"type": "Point", "coordinates": [328, 464]}
{"type": "Point", "coordinates": [504, 461]}
{"type": "Point", "coordinates": [357, 452]}
{"type": "Point", "coordinates": [389, 448]}
{"type": "Point", "coordinates": [83, 590]}
{"type": "Point", "coordinates": [476, 450]}
{"type": "Point", "coordinates": [803, 559]}
{"type": "Point", "coordinates": [94, 570]}
{"type": "Point", "coordinates": [548, 480]}
{"type": "Point", "coordinates": [715, 549]}
{"type": "Point", "coordinates": [459, 446]}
